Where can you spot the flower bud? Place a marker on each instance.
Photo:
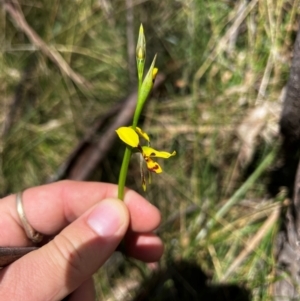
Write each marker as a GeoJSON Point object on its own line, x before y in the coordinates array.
{"type": "Point", "coordinates": [141, 53]}
{"type": "Point", "coordinates": [141, 45]}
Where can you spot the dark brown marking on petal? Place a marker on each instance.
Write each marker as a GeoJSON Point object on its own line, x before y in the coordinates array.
{"type": "Point", "coordinates": [154, 168]}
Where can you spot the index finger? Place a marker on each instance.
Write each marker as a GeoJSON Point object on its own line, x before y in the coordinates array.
{"type": "Point", "coordinates": [50, 208]}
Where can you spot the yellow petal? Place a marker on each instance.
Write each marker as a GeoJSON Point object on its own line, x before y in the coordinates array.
{"type": "Point", "coordinates": [142, 134]}
{"type": "Point", "coordinates": [152, 165]}
{"type": "Point", "coordinates": [128, 135]}
{"type": "Point", "coordinates": [151, 152]}
{"type": "Point", "coordinates": [154, 73]}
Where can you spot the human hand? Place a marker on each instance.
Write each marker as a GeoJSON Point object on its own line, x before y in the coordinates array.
{"type": "Point", "coordinates": [87, 222]}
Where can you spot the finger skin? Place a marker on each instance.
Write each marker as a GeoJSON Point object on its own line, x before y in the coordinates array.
{"type": "Point", "coordinates": [85, 292]}
{"type": "Point", "coordinates": [50, 208]}
{"type": "Point", "coordinates": [145, 247]}
{"type": "Point", "coordinates": [65, 263]}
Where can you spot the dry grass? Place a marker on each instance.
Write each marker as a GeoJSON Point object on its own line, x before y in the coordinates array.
{"type": "Point", "coordinates": [227, 62]}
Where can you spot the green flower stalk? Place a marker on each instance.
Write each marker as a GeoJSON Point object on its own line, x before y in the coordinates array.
{"type": "Point", "coordinates": [130, 135]}
{"type": "Point", "coordinates": [144, 91]}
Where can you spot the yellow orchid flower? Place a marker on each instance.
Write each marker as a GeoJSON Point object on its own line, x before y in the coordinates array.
{"type": "Point", "coordinates": [128, 135]}
{"type": "Point", "coordinates": [131, 137]}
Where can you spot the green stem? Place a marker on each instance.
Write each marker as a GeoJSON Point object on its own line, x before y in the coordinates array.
{"type": "Point", "coordinates": [140, 60]}
{"type": "Point", "coordinates": [138, 109]}
{"type": "Point", "coordinates": [136, 117]}
{"type": "Point", "coordinates": [128, 152]}
{"type": "Point", "coordinates": [123, 173]}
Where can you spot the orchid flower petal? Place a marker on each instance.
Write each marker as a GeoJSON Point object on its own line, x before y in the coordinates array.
{"type": "Point", "coordinates": [142, 134]}
{"type": "Point", "coordinates": [151, 152]}
{"type": "Point", "coordinates": [152, 165]}
{"type": "Point", "coordinates": [128, 135]}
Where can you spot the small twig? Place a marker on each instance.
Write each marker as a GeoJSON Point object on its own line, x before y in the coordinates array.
{"type": "Point", "coordinates": [11, 254]}
{"type": "Point", "coordinates": [266, 78]}
{"type": "Point", "coordinates": [15, 12]}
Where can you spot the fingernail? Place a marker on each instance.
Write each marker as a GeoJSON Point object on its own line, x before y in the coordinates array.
{"type": "Point", "coordinates": [105, 219]}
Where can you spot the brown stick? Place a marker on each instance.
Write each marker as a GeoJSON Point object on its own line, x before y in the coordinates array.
{"type": "Point", "coordinates": [16, 14]}
{"type": "Point", "coordinates": [11, 254]}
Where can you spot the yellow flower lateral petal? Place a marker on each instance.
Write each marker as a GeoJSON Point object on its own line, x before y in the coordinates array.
{"type": "Point", "coordinates": [142, 134]}
{"type": "Point", "coordinates": [128, 135]}
{"type": "Point", "coordinates": [152, 165]}
{"type": "Point", "coordinates": [151, 152]}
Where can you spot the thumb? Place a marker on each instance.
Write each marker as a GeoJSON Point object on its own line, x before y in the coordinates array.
{"type": "Point", "coordinates": [62, 265]}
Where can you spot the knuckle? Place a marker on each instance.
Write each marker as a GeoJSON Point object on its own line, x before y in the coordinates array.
{"type": "Point", "coordinates": [68, 255]}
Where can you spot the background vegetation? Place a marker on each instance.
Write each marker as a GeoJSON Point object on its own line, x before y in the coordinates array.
{"type": "Point", "coordinates": [227, 63]}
